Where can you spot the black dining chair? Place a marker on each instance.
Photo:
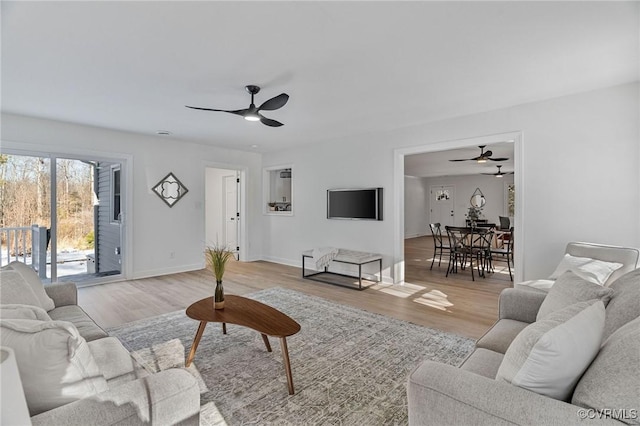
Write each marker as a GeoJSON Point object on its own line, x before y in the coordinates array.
{"type": "Point", "coordinates": [505, 252]}
{"type": "Point", "coordinates": [467, 245]}
{"type": "Point", "coordinates": [438, 243]}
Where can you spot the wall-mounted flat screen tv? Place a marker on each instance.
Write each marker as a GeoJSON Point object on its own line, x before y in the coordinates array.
{"type": "Point", "coordinates": [355, 204]}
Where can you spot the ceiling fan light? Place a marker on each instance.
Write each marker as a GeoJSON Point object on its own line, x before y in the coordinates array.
{"type": "Point", "coordinates": [499, 175]}
{"type": "Point", "coordinates": [482, 160]}
{"type": "Point", "coordinates": [252, 117]}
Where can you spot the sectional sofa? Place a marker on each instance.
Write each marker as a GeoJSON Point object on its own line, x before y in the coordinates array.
{"type": "Point", "coordinates": [72, 372]}
{"type": "Point", "coordinates": [555, 356]}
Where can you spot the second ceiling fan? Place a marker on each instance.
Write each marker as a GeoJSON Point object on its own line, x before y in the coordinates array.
{"type": "Point", "coordinates": [483, 157]}
{"type": "Point", "coordinates": [253, 113]}
{"type": "Point", "coordinates": [499, 174]}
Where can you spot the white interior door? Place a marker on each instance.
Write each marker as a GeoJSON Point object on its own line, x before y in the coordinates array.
{"type": "Point", "coordinates": [231, 216]}
{"type": "Point", "coordinates": [442, 201]}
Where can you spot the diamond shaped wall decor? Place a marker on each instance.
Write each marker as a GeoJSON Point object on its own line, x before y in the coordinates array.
{"type": "Point", "coordinates": [170, 189]}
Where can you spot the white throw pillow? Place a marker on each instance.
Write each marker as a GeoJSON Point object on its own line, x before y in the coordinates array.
{"type": "Point", "coordinates": [15, 290]}
{"type": "Point", "coordinates": [55, 363]}
{"type": "Point", "coordinates": [549, 356]}
{"type": "Point", "coordinates": [23, 312]}
{"type": "Point", "coordinates": [32, 278]}
{"type": "Point", "coordinates": [592, 270]}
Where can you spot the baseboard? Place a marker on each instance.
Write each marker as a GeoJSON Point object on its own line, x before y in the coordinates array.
{"type": "Point", "coordinates": [282, 261]}
{"type": "Point", "coordinates": [416, 235]}
{"type": "Point", "coordinates": [167, 271]}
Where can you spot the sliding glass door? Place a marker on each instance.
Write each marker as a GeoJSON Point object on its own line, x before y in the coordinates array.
{"type": "Point", "coordinates": [62, 215]}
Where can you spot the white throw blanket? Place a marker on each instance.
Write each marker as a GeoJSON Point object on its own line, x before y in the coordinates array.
{"type": "Point", "coordinates": [323, 256]}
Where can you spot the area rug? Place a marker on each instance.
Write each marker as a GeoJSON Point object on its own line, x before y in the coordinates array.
{"type": "Point", "coordinates": [350, 367]}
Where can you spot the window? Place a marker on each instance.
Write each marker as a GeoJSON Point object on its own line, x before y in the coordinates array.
{"type": "Point", "coordinates": [115, 194]}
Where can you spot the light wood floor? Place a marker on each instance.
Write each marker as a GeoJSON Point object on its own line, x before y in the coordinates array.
{"type": "Point", "coordinates": [454, 304]}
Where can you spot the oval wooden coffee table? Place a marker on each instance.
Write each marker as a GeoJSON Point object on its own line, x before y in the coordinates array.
{"type": "Point", "coordinates": [248, 313]}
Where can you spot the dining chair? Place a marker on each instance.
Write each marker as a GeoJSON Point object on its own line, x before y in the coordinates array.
{"type": "Point", "coordinates": [438, 243]}
{"type": "Point", "coordinates": [469, 244]}
{"type": "Point", "coordinates": [503, 231]}
{"type": "Point", "coordinates": [506, 252]}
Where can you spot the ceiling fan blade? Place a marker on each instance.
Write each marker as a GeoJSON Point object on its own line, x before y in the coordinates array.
{"type": "Point", "coordinates": [237, 112]}
{"type": "Point", "coordinates": [464, 159]}
{"type": "Point", "coordinates": [487, 154]}
{"type": "Point", "coordinates": [269, 122]}
{"type": "Point", "coordinates": [489, 174]}
{"type": "Point", "coordinates": [497, 159]}
{"type": "Point", "coordinates": [275, 102]}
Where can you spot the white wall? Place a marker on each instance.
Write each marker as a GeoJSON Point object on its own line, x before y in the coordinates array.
{"type": "Point", "coordinates": [493, 189]}
{"type": "Point", "coordinates": [416, 207]}
{"type": "Point", "coordinates": [576, 149]}
{"type": "Point", "coordinates": [156, 229]}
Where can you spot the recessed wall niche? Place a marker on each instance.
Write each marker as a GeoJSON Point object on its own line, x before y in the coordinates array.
{"type": "Point", "coordinates": [278, 190]}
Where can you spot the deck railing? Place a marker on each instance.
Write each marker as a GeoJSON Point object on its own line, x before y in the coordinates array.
{"type": "Point", "coordinates": [26, 244]}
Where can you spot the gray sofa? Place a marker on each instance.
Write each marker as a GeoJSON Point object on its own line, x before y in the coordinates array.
{"type": "Point", "coordinates": [131, 396]}
{"type": "Point", "coordinates": [607, 392]}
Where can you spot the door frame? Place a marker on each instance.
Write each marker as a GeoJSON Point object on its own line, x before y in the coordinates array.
{"type": "Point", "coordinates": [126, 182]}
{"type": "Point", "coordinates": [235, 177]}
{"type": "Point", "coordinates": [516, 137]}
{"type": "Point", "coordinates": [242, 172]}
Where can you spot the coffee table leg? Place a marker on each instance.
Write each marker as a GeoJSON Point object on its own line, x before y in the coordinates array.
{"type": "Point", "coordinates": [196, 341]}
{"type": "Point", "coordinates": [287, 363]}
{"type": "Point", "coordinates": [224, 328]}
{"type": "Point", "coordinates": [266, 342]}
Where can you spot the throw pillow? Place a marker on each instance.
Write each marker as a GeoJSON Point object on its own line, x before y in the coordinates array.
{"type": "Point", "coordinates": [31, 277]}
{"type": "Point", "coordinates": [610, 384]}
{"type": "Point", "coordinates": [23, 312]}
{"type": "Point", "coordinates": [569, 289]}
{"type": "Point", "coordinates": [55, 363]}
{"type": "Point", "coordinates": [549, 356]}
{"type": "Point", "coordinates": [15, 290]}
{"type": "Point", "coordinates": [592, 270]}
{"type": "Point", "coordinates": [625, 303]}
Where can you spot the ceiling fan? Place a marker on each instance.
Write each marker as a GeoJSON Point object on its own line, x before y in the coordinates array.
{"type": "Point", "coordinates": [499, 174]}
{"type": "Point", "coordinates": [253, 113]}
{"type": "Point", "coordinates": [483, 157]}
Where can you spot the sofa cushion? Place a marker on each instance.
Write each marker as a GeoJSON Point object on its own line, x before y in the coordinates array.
{"type": "Point", "coordinates": [15, 290]}
{"type": "Point", "coordinates": [500, 336]}
{"type": "Point", "coordinates": [85, 325]}
{"type": "Point", "coordinates": [115, 362]}
{"type": "Point", "coordinates": [483, 362]}
{"type": "Point", "coordinates": [569, 289]}
{"type": "Point", "coordinates": [23, 312]}
{"type": "Point", "coordinates": [592, 270]}
{"type": "Point", "coordinates": [625, 303]}
{"type": "Point", "coordinates": [611, 384]}
{"type": "Point", "coordinates": [32, 278]}
{"type": "Point", "coordinates": [549, 356]}
{"type": "Point", "coordinates": [535, 285]}
{"type": "Point", "coordinates": [55, 363]}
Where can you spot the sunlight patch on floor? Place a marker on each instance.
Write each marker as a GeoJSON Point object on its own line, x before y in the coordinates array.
{"type": "Point", "coordinates": [399, 290]}
{"type": "Point", "coordinates": [435, 299]}
{"type": "Point", "coordinates": [212, 414]}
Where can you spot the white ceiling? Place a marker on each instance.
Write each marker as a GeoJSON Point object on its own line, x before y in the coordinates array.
{"type": "Point", "coordinates": [433, 164]}
{"type": "Point", "coordinates": [349, 67]}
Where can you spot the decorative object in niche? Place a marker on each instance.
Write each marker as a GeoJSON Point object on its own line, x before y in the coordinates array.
{"type": "Point", "coordinates": [170, 189]}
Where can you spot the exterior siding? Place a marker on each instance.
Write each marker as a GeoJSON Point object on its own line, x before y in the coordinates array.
{"type": "Point", "coordinates": [108, 232]}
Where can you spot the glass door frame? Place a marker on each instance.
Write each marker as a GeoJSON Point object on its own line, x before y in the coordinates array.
{"type": "Point", "coordinates": [126, 172]}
